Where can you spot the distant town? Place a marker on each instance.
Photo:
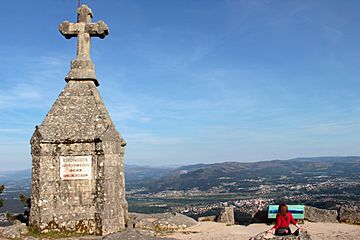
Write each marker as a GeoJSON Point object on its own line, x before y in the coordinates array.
{"type": "Point", "coordinates": [320, 191]}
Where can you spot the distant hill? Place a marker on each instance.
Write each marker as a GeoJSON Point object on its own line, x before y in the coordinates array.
{"type": "Point", "coordinates": [207, 176]}
{"type": "Point", "coordinates": [246, 178]}
{"type": "Point", "coordinates": [15, 182]}
{"type": "Point", "coordinates": [6, 176]}
{"type": "Point", "coordinates": [132, 173]}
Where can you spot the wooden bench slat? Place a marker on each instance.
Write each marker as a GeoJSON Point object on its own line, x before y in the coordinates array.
{"type": "Point", "coordinates": [298, 211]}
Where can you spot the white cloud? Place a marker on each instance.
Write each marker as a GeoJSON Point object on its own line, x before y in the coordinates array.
{"type": "Point", "coordinates": [11, 130]}
{"type": "Point", "coordinates": [122, 112]}
{"type": "Point", "coordinates": [333, 127]}
{"type": "Point", "coordinates": [18, 96]}
{"type": "Point", "coordinates": [151, 139]}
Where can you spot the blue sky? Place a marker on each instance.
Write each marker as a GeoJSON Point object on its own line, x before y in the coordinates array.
{"type": "Point", "coordinates": [193, 81]}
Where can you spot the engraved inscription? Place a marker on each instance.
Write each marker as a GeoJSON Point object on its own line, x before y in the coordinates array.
{"type": "Point", "coordinates": [75, 167]}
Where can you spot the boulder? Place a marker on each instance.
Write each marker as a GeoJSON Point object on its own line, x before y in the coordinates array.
{"type": "Point", "coordinates": [242, 218]}
{"type": "Point", "coordinates": [260, 217]}
{"type": "Point", "coordinates": [14, 231]}
{"type": "Point", "coordinates": [160, 221]}
{"type": "Point", "coordinates": [226, 216]}
{"type": "Point", "coordinates": [349, 215]}
{"type": "Point", "coordinates": [313, 214]}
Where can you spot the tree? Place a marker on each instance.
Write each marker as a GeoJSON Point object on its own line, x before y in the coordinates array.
{"type": "Point", "coordinates": [24, 218]}
{"type": "Point", "coordinates": [2, 187]}
{"type": "Point", "coordinates": [22, 198]}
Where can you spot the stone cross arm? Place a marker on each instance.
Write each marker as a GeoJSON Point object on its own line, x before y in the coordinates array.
{"type": "Point", "coordinates": [69, 30]}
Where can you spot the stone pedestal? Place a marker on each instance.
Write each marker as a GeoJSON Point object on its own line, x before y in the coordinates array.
{"type": "Point", "coordinates": [78, 166]}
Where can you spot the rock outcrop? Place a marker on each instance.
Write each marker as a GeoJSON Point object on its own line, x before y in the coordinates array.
{"type": "Point", "coordinates": [260, 217]}
{"type": "Point", "coordinates": [241, 217]}
{"type": "Point", "coordinates": [14, 231]}
{"type": "Point", "coordinates": [349, 215]}
{"type": "Point", "coordinates": [160, 221]}
{"type": "Point", "coordinates": [226, 216]}
{"type": "Point", "coordinates": [313, 214]}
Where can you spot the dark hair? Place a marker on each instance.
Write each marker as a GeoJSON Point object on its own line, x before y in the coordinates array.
{"type": "Point", "coordinates": [283, 209]}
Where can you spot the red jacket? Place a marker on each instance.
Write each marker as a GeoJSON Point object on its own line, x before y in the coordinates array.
{"type": "Point", "coordinates": [284, 221]}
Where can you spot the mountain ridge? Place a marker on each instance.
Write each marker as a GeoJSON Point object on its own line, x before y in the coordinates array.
{"type": "Point", "coordinates": [137, 172]}
{"type": "Point", "coordinates": [336, 178]}
{"type": "Point", "coordinates": [207, 176]}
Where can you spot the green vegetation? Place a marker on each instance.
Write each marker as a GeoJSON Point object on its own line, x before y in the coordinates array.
{"type": "Point", "coordinates": [23, 198]}
{"type": "Point", "coordinates": [10, 217]}
{"type": "Point", "coordinates": [2, 187]}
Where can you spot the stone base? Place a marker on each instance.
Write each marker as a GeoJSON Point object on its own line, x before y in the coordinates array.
{"type": "Point", "coordinates": [82, 70]}
{"type": "Point", "coordinates": [78, 182]}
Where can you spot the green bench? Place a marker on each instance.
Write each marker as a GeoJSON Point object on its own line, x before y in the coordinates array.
{"type": "Point", "coordinates": [298, 211]}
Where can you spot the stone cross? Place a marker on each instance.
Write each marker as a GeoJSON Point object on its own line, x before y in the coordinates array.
{"type": "Point", "coordinates": [82, 67]}
{"type": "Point", "coordinates": [78, 180]}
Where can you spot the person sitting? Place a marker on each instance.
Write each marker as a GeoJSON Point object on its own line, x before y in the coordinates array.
{"type": "Point", "coordinates": [283, 220]}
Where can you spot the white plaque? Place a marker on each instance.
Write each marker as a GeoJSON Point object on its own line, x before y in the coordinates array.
{"type": "Point", "coordinates": [75, 167]}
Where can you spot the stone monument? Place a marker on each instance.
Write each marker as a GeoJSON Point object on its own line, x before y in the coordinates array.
{"type": "Point", "coordinates": [77, 154]}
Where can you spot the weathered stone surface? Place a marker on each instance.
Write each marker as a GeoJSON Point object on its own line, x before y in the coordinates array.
{"type": "Point", "coordinates": [78, 156]}
{"type": "Point", "coordinates": [226, 216]}
{"type": "Point", "coordinates": [160, 221]}
{"type": "Point", "coordinates": [78, 125]}
{"type": "Point", "coordinates": [266, 236]}
{"type": "Point", "coordinates": [320, 215]}
{"type": "Point", "coordinates": [14, 231]}
{"type": "Point", "coordinates": [132, 234]}
{"type": "Point", "coordinates": [349, 215]}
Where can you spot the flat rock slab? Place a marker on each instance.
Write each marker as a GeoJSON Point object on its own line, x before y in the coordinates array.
{"type": "Point", "coordinates": [133, 234]}
{"type": "Point", "coordinates": [160, 222]}
{"type": "Point", "coordinates": [267, 236]}
{"type": "Point", "coordinates": [129, 234]}
{"type": "Point", "coordinates": [320, 215]}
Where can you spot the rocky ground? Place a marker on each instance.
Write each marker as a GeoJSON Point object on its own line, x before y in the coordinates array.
{"type": "Point", "coordinates": [220, 231]}
{"type": "Point", "coordinates": [319, 225]}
